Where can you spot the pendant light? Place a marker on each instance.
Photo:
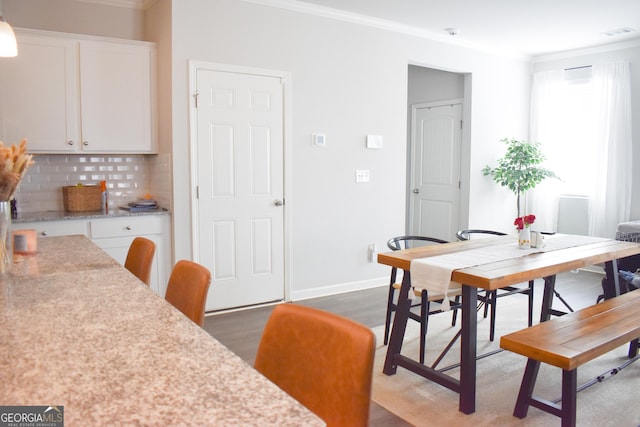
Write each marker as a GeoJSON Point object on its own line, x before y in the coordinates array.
{"type": "Point", "coordinates": [8, 45]}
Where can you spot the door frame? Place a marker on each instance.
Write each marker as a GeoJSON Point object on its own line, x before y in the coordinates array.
{"type": "Point", "coordinates": [411, 157]}
{"type": "Point", "coordinates": [285, 77]}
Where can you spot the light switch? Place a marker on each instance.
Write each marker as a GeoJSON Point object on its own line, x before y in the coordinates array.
{"type": "Point", "coordinates": [374, 141]}
{"type": "Point", "coordinates": [362, 176]}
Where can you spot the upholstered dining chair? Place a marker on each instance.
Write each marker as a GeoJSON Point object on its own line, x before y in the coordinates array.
{"type": "Point", "coordinates": [323, 360]}
{"type": "Point", "coordinates": [490, 298]}
{"type": "Point", "coordinates": [140, 258]}
{"type": "Point", "coordinates": [424, 299]}
{"type": "Point", "coordinates": [187, 289]}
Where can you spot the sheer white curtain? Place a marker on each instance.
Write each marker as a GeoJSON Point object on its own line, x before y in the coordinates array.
{"type": "Point", "coordinates": [582, 118]}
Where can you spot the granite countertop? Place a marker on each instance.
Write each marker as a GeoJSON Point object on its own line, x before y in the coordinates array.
{"type": "Point", "coordinates": [78, 330]}
{"type": "Point", "coordinates": [63, 215]}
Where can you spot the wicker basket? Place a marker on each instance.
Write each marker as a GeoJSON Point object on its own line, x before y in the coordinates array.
{"type": "Point", "coordinates": [82, 199]}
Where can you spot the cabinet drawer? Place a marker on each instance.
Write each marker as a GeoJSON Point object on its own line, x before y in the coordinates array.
{"type": "Point", "coordinates": [124, 227]}
{"type": "Point", "coordinates": [54, 228]}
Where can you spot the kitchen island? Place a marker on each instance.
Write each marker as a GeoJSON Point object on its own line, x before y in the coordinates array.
{"type": "Point", "coordinates": [78, 330]}
{"type": "Point", "coordinates": [113, 232]}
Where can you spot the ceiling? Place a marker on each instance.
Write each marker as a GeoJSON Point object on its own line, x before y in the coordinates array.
{"type": "Point", "coordinates": [516, 27]}
{"type": "Point", "coordinates": [523, 27]}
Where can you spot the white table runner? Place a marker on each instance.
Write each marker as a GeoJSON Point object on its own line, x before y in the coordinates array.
{"type": "Point", "coordinates": [434, 273]}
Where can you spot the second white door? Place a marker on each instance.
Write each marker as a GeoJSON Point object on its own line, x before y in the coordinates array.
{"type": "Point", "coordinates": [435, 186]}
{"type": "Point", "coordinates": [241, 187]}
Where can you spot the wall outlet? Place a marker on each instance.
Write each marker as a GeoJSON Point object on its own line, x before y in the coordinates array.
{"type": "Point", "coordinates": [372, 252]}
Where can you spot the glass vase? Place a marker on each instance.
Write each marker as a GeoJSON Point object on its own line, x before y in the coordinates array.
{"type": "Point", "coordinates": [6, 247]}
{"type": "Point", "coordinates": [524, 238]}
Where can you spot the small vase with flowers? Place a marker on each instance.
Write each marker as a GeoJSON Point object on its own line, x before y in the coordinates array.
{"type": "Point", "coordinates": [523, 224]}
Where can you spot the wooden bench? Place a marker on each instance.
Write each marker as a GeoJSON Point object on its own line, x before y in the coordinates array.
{"type": "Point", "coordinates": [569, 342]}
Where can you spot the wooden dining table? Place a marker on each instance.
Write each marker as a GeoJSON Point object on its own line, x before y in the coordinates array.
{"type": "Point", "coordinates": [572, 253]}
{"type": "Point", "coordinates": [79, 331]}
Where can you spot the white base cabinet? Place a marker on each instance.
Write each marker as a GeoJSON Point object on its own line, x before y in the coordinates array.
{"type": "Point", "coordinates": [114, 236]}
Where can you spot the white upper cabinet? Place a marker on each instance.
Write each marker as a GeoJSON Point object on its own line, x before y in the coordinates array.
{"type": "Point", "coordinates": [39, 94]}
{"type": "Point", "coordinates": [68, 94]}
{"type": "Point", "coordinates": [115, 94]}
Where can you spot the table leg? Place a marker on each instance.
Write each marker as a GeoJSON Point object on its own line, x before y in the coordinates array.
{"type": "Point", "coordinates": [468, 350]}
{"type": "Point", "coordinates": [611, 281]}
{"type": "Point", "coordinates": [547, 298]}
{"type": "Point", "coordinates": [399, 326]}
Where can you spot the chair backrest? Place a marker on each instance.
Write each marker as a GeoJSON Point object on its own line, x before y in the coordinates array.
{"type": "Point", "coordinates": [187, 289]}
{"type": "Point", "coordinates": [140, 258]}
{"type": "Point", "coordinates": [466, 234]}
{"type": "Point", "coordinates": [406, 242]}
{"type": "Point", "coordinates": [323, 360]}
{"type": "Point", "coordinates": [628, 236]}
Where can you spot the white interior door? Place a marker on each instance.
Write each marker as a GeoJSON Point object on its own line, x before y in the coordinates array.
{"type": "Point", "coordinates": [240, 186]}
{"type": "Point", "coordinates": [435, 186]}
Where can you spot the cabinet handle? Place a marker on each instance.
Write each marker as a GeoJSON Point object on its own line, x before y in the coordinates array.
{"type": "Point", "coordinates": [85, 143]}
{"type": "Point", "coordinates": [44, 233]}
{"type": "Point", "coordinates": [69, 142]}
{"type": "Point", "coordinates": [128, 228]}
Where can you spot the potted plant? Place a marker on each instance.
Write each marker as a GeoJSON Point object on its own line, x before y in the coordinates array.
{"type": "Point", "coordinates": [520, 169]}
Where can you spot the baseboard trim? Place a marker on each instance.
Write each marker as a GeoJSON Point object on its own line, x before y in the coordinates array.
{"type": "Point", "coordinates": [341, 288]}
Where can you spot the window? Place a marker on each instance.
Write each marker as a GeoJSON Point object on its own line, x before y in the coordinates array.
{"type": "Point", "coordinates": [581, 117]}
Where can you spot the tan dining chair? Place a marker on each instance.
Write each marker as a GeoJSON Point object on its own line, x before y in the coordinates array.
{"type": "Point", "coordinates": [140, 258]}
{"type": "Point", "coordinates": [323, 360]}
{"type": "Point", "coordinates": [187, 289]}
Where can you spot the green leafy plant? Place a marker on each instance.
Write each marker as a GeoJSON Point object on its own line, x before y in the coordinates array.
{"type": "Point", "coordinates": [520, 169]}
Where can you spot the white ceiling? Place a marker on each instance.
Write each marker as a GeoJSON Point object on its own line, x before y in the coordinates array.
{"type": "Point", "coordinates": [524, 27]}
{"type": "Point", "coordinates": [516, 27]}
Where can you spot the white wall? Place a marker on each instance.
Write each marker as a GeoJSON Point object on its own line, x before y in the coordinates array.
{"type": "Point", "coordinates": [347, 81]}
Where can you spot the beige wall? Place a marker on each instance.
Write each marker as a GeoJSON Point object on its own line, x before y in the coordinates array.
{"type": "Point", "coordinates": [71, 16]}
{"type": "Point", "coordinates": [348, 80]}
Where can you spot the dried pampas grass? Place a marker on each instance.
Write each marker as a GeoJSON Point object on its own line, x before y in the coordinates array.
{"type": "Point", "coordinates": [14, 162]}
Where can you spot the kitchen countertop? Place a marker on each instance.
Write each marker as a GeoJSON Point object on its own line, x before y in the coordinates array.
{"type": "Point", "coordinates": [79, 331]}
{"type": "Point", "coordinates": [62, 215]}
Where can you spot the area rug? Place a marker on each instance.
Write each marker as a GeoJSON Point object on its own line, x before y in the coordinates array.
{"type": "Point", "coordinates": [612, 402]}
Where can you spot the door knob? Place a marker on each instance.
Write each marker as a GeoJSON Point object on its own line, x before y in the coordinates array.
{"type": "Point", "coordinates": [278, 202]}
{"type": "Point", "coordinates": [416, 191]}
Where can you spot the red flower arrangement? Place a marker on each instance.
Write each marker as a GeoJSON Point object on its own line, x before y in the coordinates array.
{"type": "Point", "coordinates": [524, 221]}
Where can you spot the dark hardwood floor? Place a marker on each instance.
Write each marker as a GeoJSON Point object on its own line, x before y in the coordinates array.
{"type": "Point", "coordinates": [241, 330]}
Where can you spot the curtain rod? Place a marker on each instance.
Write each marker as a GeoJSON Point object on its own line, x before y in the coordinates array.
{"type": "Point", "coordinates": [577, 68]}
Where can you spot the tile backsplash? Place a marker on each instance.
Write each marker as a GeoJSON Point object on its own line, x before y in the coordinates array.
{"type": "Point", "coordinates": [128, 178]}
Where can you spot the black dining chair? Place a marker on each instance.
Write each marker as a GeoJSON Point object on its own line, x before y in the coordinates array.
{"type": "Point", "coordinates": [490, 298]}
{"type": "Point", "coordinates": [424, 299]}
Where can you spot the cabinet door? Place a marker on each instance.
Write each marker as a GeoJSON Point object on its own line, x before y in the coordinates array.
{"type": "Point", "coordinates": [118, 248]}
{"type": "Point", "coordinates": [115, 82]}
{"type": "Point", "coordinates": [115, 235]}
{"type": "Point", "coordinates": [39, 94]}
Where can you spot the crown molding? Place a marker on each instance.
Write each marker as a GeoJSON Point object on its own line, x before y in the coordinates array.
{"type": "Point", "coordinates": [610, 47]}
{"type": "Point", "coordinates": [128, 4]}
{"type": "Point", "coordinates": [384, 24]}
